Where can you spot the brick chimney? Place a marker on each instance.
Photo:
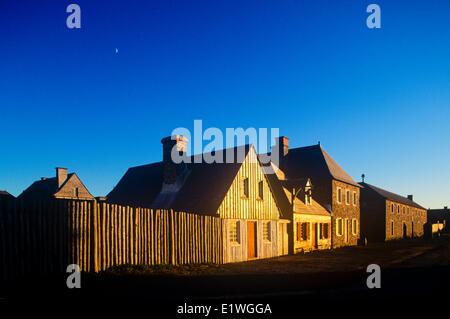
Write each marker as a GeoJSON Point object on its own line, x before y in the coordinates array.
{"type": "Point", "coordinates": [171, 170]}
{"type": "Point", "coordinates": [410, 197]}
{"type": "Point", "coordinates": [61, 175]}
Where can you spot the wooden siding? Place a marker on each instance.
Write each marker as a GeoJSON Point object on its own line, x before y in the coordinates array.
{"type": "Point", "coordinates": [236, 206]}
{"type": "Point", "coordinates": [307, 245]}
{"type": "Point", "coordinates": [235, 252]}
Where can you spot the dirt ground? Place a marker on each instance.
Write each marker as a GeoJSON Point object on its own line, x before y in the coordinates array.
{"type": "Point", "coordinates": [416, 269]}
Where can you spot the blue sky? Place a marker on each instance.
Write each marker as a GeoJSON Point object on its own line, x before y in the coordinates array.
{"type": "Point", "coordinates": [377, 99]}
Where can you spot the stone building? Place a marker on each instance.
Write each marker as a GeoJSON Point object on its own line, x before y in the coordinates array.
{"type": "Point", "coordinates": [239, 193]}
{"type": "Point", "coordinates": [63, 186]}
{"type": "Point", "coordinates": [387, 216]}
{"type": "Point", "coordinates": [333, 188]}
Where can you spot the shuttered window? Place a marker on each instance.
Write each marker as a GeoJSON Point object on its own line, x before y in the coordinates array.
{"type": "Point", "coordinates": [307, 231]}
{"type": "Point", "coordinates": [234, 232]}
{"type": "Point", "coordinates": [299, 231]}
{"type": "Point", "coordinates": [266, 231]}
{"type": "Point", "coordinates": [326, 228]}
{"type": "Point", "coordinates": [302, 231]}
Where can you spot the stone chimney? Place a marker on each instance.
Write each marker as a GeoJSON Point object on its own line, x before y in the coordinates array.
{"type": "Point", "coordinates": [61, 175]}
{"type": "Point", "coordinates": [171, 169]}
{"type": "Point", "coordinates": [410, 197]}
{"type": "Point", "coordinates": [282, 143]}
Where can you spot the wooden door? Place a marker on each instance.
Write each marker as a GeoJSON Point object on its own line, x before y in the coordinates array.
{"type": "Point", "coordinates": [251, 239]}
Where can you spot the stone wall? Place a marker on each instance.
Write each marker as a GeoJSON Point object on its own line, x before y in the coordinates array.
{"type": "Point", "coordinates": [347, 211]}
{"type": "Point", "coordinates": [404, 220]}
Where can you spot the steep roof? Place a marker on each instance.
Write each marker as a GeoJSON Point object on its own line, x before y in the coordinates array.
{"type": "Point", "coordinates": [44, 188]}
{"type": "Point", "coordinates": [202, 192]}
{"type": "Point", "coordinates": [314, 162]}
{"type": "Point", "coordinates": [389, 195]}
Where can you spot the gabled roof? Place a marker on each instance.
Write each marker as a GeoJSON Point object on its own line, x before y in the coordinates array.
{"type": "Point", "coordinates": [315, 163]}
{"type": "Point", "coordinates": [6, 194]}
{"type": "Point", "coordinates": [44, 188]}
{"type": "Point", "coordinates": [388, 195]}
{"type": "Point", "coordinates": [202, 192]}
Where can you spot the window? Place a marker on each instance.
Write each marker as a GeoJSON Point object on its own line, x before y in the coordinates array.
{"type": "Point", "coordinates": [75, 192]}
{"type": "Point", "coordinates": [354, 198]}
{"type": "Point", "coordinates": [392, 228]}
{"type": "Point", "coordinates": [305, 231]}
{"type": "Point", "coordinates": [392, 208]}
{"type": "Point", "coordinates": [260, 190]}
{"type": "Point", "coordinates": [354, 226]}
{"type": "Point", "coordinates": [302, 231]}
{"type": "Point", "coordinates": [404, 210]}
{"type": "Point", "coordinates": [266, 231]}
{"type": "Point", "coordinates": [339, 227]}
{"type": "Point", "coordinates": [347, 198]}
{"type": "Point", "coordinates": [398, 208]}
{"type": "Point", "coordinates": [234, 232]}
{"type": "Point", "coordinates": [321, 233]}
{"type": "Point", "coordinates": [244, 187]}
{"type": "Point", "coordinates": [325, 230]}
{"type": "Point", "coordinates": [299, 231]}
{"type": "Point", "coordinates": [339, 195]}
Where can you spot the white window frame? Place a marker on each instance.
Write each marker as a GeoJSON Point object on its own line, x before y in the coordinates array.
{"type": "Point", "coordinates": [339, 195]}
{"type": "Point", "coordinates": [347, 197]}
{"type": "Point", "coordinates": [354, 199]}
{"type": "Point", "coordinates": [337, 226]}
{"type": "Point", "coordinates": [354, 226]}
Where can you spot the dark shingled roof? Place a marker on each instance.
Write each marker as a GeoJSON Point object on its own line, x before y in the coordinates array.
{"type": "Point", "coordinates": [45, 188]}
{"type": "Point", "coordinates": [315, 163]}
{"type": "Point", "coordinates": [203, 190]}
{"type": "Point", "coordinates": [391, 196]}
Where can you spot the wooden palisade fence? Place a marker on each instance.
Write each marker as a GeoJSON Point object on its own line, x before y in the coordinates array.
{"type": "Point", "coordinates": [41, 237]}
